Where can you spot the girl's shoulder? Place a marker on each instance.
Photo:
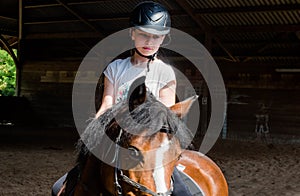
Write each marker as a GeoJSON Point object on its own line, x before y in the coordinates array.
{"type": "Point", "coordinates": [120, 63]}
{"type": "Point", "coordinates": [162, 65]}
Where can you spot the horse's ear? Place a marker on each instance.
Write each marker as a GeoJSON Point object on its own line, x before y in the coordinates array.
{"type": "Point", "coordinates": [137, 93]}
{"type": "Point", "coordinates": [182, 108]}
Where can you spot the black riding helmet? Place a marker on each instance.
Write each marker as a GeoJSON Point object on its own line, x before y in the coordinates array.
{"type": "Point", "coordinates": [151, 17]}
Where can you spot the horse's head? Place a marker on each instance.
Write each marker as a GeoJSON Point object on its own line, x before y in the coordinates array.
{"type": "Point", "coordinates": [149, 139]}
{"type": "Point", "coordinates": [151, 158]}
{"type": "Point", "coordinates": [153, 145]}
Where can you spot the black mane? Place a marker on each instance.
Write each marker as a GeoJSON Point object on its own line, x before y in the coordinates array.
{"type": "Point", "coordinates": [151, 115]}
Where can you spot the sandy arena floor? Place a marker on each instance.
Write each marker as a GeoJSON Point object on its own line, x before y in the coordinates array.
{"type": "Point", "coordinates": [30, 165]}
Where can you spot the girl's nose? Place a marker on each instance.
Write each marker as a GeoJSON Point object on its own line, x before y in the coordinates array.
{"type": "Point", "coordinates": [148, 42]}
{"type": "Point", "coordinates": [151, 40]}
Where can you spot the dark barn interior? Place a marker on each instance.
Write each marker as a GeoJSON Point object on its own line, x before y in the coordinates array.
{"type": "Point", "coordinates": [255, 45]}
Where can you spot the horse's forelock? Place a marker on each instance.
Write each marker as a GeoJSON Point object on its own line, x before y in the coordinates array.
{"type": "Point", "coordinates": [152, 115]}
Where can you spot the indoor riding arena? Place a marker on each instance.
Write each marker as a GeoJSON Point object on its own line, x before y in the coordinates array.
{"type": "Point", "coordinates": [254, 44]}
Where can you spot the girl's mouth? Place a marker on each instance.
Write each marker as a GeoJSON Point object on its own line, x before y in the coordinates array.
{"type": "Point", "coordinates": [147, 48]}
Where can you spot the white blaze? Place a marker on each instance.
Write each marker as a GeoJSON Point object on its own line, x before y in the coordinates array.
{"type": "Point", "coordinates": [159, 172]}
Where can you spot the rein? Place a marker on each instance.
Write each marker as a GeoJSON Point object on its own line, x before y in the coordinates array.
{"type": "Point", "coordinates": [142, 187]}
{"type": "Point", "coordinates": [119, 176]}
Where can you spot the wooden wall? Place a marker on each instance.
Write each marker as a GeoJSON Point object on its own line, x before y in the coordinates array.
{"type": "Point", "coordinates": [248, 90]}
{"type": "Point", "coordinates": [48, 86]}
{"type": "Point", "coordinates": [48, 70]}
{"type": "Point", "coordinates": [46, 81]}
{"type": "Point", "coordinates": [282, 106]}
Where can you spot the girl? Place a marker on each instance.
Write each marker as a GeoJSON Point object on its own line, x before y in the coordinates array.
{"type": "Point", "coordinates": [150, 22]}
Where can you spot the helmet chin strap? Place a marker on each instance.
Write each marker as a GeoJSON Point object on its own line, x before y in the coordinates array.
{"type": "Point", "coordinates": [150, 57]}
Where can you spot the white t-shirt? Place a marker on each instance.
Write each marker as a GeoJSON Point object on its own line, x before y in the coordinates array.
{"type": "Point", "coordinates": [121, 73]}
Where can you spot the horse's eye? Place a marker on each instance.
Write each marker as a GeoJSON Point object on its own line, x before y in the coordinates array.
{"type": "Point", "coordinates": [134, 153]}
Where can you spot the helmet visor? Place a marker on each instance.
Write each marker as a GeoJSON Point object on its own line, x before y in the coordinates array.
{"type": "Point", "coordinates": [156, 30]}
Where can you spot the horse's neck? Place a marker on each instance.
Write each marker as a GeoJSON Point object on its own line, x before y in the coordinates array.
{"type": "Point", "coordinates": [89, 178]}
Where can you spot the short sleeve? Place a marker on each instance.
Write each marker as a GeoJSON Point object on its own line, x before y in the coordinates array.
{"type": "Point", "coordinates": [116, 69]}
{"type": "Point", "coordinates": [109, 72]}
{"type": "Point", "coordinates": [169, 74]}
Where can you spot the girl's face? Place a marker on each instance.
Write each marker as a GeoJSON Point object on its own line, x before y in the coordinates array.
{"type": "Point", "coordinates": [146, 43]}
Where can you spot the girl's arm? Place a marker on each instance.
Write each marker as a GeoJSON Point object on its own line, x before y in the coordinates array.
{"type": "Point", "coordinates": [167, 95]}
{"type": "Point", "coordinates": [108, 97]}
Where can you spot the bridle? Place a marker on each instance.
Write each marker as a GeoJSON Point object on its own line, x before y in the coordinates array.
{"type": "Point", "coordinates": [120, 177]}
{"type": "Point", "coordinates": [137, 185]}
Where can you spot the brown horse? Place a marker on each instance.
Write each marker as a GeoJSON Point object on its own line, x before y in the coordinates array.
{"type": "Point", "coordinates": [141, 162]}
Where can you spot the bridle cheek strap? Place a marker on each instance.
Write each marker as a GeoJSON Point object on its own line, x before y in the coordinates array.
{"type": "Point", "coordinates": [124, 178]}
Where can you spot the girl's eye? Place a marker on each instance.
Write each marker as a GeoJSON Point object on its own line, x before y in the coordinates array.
{"type": "Point", "coordinates": [145, 36]}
